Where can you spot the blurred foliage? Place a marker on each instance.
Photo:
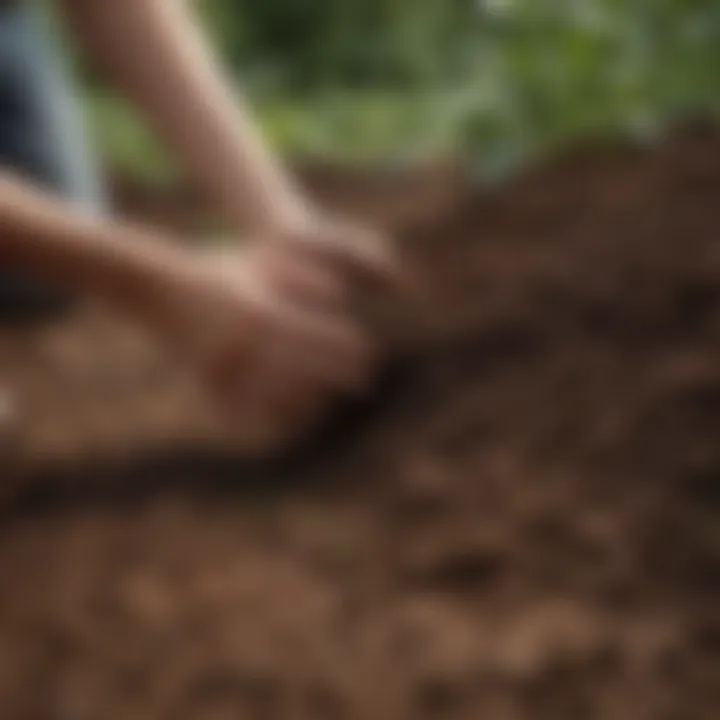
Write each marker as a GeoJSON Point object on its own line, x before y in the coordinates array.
{"type": "Point", "coordinates": [550, 72]}
{"type": "Point", "coordinates": [304, 45]}
{"type": "Point", "coordinates": [498, 80]}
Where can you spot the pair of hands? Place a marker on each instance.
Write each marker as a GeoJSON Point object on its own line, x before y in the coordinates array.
{"type": "Point", "coordinates": [271, 330]}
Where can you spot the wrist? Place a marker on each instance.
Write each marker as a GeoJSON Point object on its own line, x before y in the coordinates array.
{"type": "Point", "coordinates": [142, 273]}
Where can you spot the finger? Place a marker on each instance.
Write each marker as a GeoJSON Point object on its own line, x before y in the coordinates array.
{"type": "Point", "coordinates": [253, 416]}
{"type": "Point", "coordinates": [279, 407]}
{"type": "Point", "coordinates": [323, 348]}
{"type": "Point", "coordinates": [306, 281]}
{"type": "Point", "coordinates": [364, 254]}
{"type": "Point", "coordinates": [298, 410]}
{"type": "Point", "coordinates": [329, 376]}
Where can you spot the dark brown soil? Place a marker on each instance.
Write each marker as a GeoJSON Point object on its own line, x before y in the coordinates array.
{"type": "Point", "coordinates": [524, 522]}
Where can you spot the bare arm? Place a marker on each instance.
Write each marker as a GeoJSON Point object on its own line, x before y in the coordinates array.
{"type": "Point", "coordinates": [154, 51]}
{"type": "Point", "coordinates": [121, 264]}
{"type": "Point", "coordinates": [268, 329]}
{"type": "Point", "coordinates": [261, 326]}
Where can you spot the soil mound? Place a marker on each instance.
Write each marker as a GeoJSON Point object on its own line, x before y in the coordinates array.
{"type": "Point", "coordinates": [521, 523]}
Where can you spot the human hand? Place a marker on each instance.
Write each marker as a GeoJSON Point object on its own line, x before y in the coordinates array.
{"type": "Point", "coordinates": [269, 333]}
{"type": "Point", "coordinates": [361, 253]}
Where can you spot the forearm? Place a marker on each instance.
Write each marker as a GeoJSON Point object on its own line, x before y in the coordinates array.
{"type": "Point", "coordinates": [155, 52]}
{"type": "Point", "coordinates": [124, 266]}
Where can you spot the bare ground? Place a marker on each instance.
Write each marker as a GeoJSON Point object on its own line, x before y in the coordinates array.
{"type": "Point", "coordinates": [521, 523]}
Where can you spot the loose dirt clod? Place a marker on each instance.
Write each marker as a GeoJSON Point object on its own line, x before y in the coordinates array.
{"type": "Point", "coordinates": [521, 523]}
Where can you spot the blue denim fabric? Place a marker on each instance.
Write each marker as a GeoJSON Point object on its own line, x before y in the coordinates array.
{"type": "Point", "coordinates": [42, 135]}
